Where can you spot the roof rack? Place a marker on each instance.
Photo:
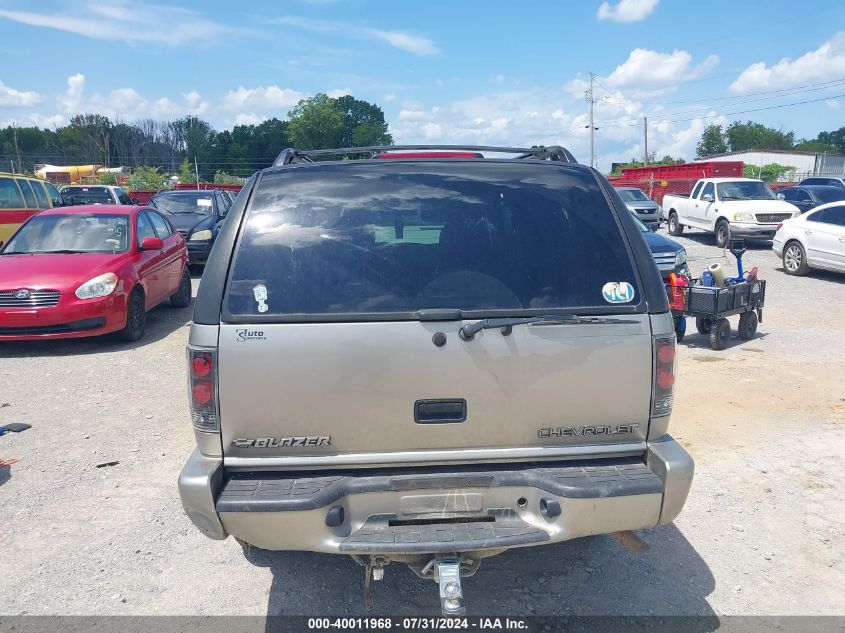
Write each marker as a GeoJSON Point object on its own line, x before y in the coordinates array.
{"type": "Point", "coordinates": [555, 152]}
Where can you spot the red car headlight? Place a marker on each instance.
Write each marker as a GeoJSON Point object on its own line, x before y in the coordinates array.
{"type": "Point", "coordinates": [99, 286]}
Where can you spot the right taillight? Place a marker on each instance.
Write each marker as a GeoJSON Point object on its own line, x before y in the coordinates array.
{"type": "Point", "coordinates": [202, 382]}
{"type": "Point", "coordinates": [663, 389]}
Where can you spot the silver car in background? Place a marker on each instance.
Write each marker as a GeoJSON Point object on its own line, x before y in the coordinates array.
{"type": "Point", "coordinates": [644, 208]}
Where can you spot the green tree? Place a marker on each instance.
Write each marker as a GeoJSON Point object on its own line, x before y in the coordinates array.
{"type": "Point", "coordinates": [222, 177]}
{"type": "Point", "coordinates": [363, 123]}
{"type": "Point", "coordinates": [814, 145]}
{"type": "Point", "coordinates": [186, 172]}
{"type": "Point", "coordinates": [750, 135]}
{"type": "Point", "coordinates": [107, 178]}
{"type": "Point", "coordinates": [712, 142]}
{"type": "Point", "coordinates": [146, 179]}
{"type": "Point", "coordinates": [771, 172]}
{"type": "Point", "coordinates": [315, 123]}
{"type": "Point", "coordinates": [836, 138]}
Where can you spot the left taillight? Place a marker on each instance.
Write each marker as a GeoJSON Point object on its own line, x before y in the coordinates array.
{"type": "Point", "coordinates": [202, 384]}
{"type": "Point", "coordinates": [663, 387]}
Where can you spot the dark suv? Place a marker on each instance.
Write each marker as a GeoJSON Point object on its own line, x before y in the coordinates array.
{"type": "Point", "coordinates": [429, 361]}
{"type": "Point", "coordinates": [197, 215]}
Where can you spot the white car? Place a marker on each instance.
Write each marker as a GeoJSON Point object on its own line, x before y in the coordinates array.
{"type": "Point", "coordinates": [813, 240]}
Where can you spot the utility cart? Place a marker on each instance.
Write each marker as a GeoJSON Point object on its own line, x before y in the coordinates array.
{"type": "Point", "coordinates": [711, 306]}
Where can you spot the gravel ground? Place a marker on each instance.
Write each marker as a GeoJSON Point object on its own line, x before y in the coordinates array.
{"type": "Point", "coordinates": [761, 532]}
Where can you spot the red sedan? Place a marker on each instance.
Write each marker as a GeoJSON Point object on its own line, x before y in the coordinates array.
{"type": "Point", "coordinates": [89, 270]}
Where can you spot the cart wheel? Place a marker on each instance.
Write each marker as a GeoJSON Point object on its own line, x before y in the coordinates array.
{"type": "Point", "coordinates": [680, 328]}
{"type": "Point", "coordinates": [703, 325]}
{"type": "Point", "coordinates": [747, 326]}
{"type": "Point", "coordinates": [720, 333]}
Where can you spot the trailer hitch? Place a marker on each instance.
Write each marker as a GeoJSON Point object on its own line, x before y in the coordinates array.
{"type": "Point", "coordinates": [447, 573]}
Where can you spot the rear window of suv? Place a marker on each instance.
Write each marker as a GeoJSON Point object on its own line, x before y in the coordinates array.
{"type": "Point", "coordinates": [383, 241]}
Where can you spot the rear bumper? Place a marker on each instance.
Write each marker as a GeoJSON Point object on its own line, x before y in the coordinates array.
{"type": "Point", "coordinates": [440, 509]}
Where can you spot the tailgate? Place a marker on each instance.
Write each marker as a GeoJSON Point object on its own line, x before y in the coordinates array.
{"type": "Point", "coordinates": [301, 390]}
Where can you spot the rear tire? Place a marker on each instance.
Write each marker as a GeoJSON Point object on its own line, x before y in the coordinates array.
{"type": "Point", "coordinates": [747, 326]}
{"type": "Point", "coordinates": [795, 259]}
{"type": "Point", "coordinates": [675, 227]}
{"type": "Point", "coordinates": [723, 234]}
{"type": "Point", "coordinates": [720, 333]}
{"type": "Point", "coordinates": [182, 297]}
{"type": "Point", "coordinates": [136, 317]}
{"type": "Point", "coordinates": [702, 325]}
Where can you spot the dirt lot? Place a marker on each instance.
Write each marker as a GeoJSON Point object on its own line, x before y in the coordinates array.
{"type": "Point", "coordinates": [761, 533]}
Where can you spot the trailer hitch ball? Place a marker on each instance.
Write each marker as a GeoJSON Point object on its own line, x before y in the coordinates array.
{"type": "Point", "coordinates": [451, 594]}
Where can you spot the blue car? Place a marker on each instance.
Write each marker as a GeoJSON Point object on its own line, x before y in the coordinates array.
{"type": "Point", "coordinates": [197, 215]}
{"type": "Point", "coordinates": [670, 256]}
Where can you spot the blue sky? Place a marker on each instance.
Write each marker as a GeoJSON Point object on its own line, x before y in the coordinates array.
{"type": "Point", "coordinates": [488, 71]}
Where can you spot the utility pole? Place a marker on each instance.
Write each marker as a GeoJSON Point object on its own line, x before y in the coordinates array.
{"type": "Point", "coordinates": [197, 172]}
{"type": "Point", "coordinates": [591, 100]}
{"type": "Point", "coordinates": [645, 143]}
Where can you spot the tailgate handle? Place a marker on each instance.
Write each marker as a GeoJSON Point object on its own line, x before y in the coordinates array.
{"type": "Point", "coordinates": [440, 411]}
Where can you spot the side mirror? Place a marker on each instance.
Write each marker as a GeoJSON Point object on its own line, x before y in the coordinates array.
{"type": "Point", "coordinates": [707, 197]}
{"type": "Point", "coordinates": [134, 201]}
{"type": "Point", "coordinates": [653, 227]}
{"type": "Point", "coordinates": [68, 201]}
{"type": "Point", "coordinates": [152, 244]}
{"type": "Point", "coordinates": [781, 196]}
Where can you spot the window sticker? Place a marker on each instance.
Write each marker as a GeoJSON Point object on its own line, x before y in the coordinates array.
{"type": "Point", "coordinates": [618, 292]}
{"type": "Point", "coordinates": [260, 294]}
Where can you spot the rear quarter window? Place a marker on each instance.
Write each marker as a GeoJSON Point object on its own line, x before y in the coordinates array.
{"type": "Point", "coordinates": [357, 241]}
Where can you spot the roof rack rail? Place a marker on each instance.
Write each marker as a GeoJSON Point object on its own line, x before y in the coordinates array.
{"type": "Point", "coordinates": [554, 152]}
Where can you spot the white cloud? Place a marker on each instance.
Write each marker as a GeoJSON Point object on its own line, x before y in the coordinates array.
{"type": "Point", "coordinates": [627, 10]}
{"type": "Point", "coordinates": [825, 63]}
{"type": "Point", "coordinates": [248, 118]}
{"type": "Point", "coordinates": [409, 42]}
{"type": "Point", "coordinates": [833, 104]}
{"type": "Point", "coordinates": [126, 103]}
{"type": "Point", "coordinates": [129, 21]}
{"type": "Point", "coordinates": [70, 101]}
{"type": "Point", "coordinates": [339, 92]}
{"type": "Point", "coordinates": [35, 119]}
{"type": "Point", "coordinates": [389, 97]}
{"type": "Point", "coordinates": [262, 98]}
{"type": "Point", "coordinates": [548, 116]}
{"type": "Point", "coordinates": [11, 98]}
{"type": "Point", "coordinates": [645, 69]}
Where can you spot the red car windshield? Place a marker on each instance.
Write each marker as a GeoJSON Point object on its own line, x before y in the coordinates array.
{"type": "Point", "coordinates": [71, 233]}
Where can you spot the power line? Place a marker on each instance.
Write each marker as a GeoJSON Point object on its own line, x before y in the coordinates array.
{"type": "Point", "coordinates": [730, 105]}
{"type": "Point", "coordinates": [714, 116]}
{"type": "Point", "coordinates": [750, 94]}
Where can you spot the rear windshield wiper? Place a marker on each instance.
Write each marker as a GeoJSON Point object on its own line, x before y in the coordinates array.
{"type": "Point", "coordinates": [468, 332]}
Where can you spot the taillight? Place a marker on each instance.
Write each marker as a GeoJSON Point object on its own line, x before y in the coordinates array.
{"type": "Point", "coordinates": [663, 390]}
{"type": "Point", "coordinates": [202, 380]}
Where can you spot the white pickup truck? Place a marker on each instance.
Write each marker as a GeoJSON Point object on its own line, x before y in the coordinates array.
{"type": "Point", "coordinates": [728, 207]}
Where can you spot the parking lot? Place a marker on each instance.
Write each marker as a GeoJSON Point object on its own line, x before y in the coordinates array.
{"type": "Point", "coordinates": [91, 521]}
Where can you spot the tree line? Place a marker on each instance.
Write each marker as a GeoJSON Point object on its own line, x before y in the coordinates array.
{"type": "Point", "coordinates": [314, 123]}
{"type": "Point", "coordinates": [739, 136]}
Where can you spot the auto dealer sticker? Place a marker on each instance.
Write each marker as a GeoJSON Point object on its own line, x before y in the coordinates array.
{"type": "Point", "coordinates": [618, 292]}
